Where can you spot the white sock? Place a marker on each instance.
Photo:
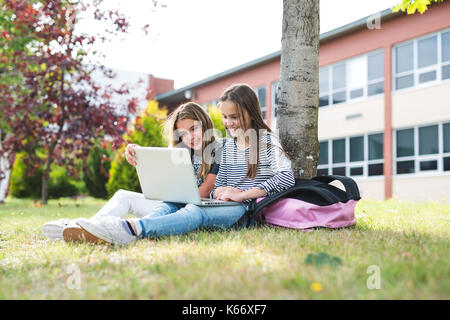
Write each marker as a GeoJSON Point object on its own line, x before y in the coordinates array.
{"type": "Point", "coordinates": [137, 226]}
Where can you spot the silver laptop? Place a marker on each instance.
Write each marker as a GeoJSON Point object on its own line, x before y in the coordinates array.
{"type": "Point", "coordinates": [166, 174]}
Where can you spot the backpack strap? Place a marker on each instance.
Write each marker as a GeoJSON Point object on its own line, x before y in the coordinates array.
{"type": "Point", "coordinates": [351, 188]}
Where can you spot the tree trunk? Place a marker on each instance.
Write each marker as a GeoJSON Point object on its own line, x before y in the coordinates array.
{"type": "Point", "coordinates": [45, 178]}
{"type": "Point", "coordinates": [298, 92]}
{"type": "Point", "coordinates": [46, 174]}
{"type": "Point", "coordinates": [5, 171]}
{"type": "Point", "coordinates": [4, 183]}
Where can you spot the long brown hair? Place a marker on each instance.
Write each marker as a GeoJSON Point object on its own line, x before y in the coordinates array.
{"type": "Point", "coordinates": [192, 111]}
{"type": "Point", "coordinates": [244, 98]}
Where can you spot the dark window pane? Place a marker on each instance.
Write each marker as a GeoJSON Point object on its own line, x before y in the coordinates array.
{"type": "Point", "coordinates": [339, 97]}
{"type": "Point", "coordinates": [262, 97]}
{"type": "Point", "coordinates": [339, 76]}
{"type": "Point", "coordinates": [447, 164]}
{"type": "Point", "coordinates": [357, 149]}
{"type": "Point", "coordinates": [323, 101]}
{"type": "Point", "coordinates": [376, 146]}
{"type": "Point", "coordinates": [375, 88]}
{"type": "Point", "coordinates": [356, 171]}
{"type": "Point", "coordinates": [446, 72]}
{"type": "Point", "coordinates": [338, 150]}
{"type": "Point", "coordinates": [263, 114]}
{"type": "Point", "coordinates": [428, 140]}
{"type": "Point", "coordinates": [375, 66]}
{"type": "Point", "coordinates": [427, 51]}
{"type": "Point", "coordinates": [405, 143]}
{"type": "Point", "coordinates": [356, 93]}
{"type": "Point", "coordinates": [275, 92]}
{"type": "Point", "coordinates": [404, 56]}
{"type": "Point", "coordinates": [447, 137]}
{"type": "Point", "coordinates": [404, 82]}
{"type": "Point", "coordinates": [323, 154]}
{"type": "Point", "coordinates": [428, 165]}
{"type": "Point", "coordinates": [446, 46]}
{"type": "Point", "coordinates": [339, 171]}
{"type": "Point", "coordinates": [322, 172]}
{"type": "Point", "coordinates": [376, 169]}
{"type": "Point", "coordinates": [324, 84]}
{"type": "Point", "coordinates": [405, 167]}
{"type": "Point", "coordinates": [427, 76]}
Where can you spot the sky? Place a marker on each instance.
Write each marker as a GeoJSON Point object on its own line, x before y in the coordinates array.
{"type": "Point", "coordinates": [189, 40]}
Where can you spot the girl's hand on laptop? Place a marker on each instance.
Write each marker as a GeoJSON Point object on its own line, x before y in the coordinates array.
{"type": "Point", "coordinates": [130, 154]}
{"type": "Point", "coordinates": [231, 195]}
{"type": "Point", "coordinates": [225, 192]}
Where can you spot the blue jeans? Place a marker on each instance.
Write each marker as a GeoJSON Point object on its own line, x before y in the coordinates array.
{"type": "Point", "coordinates": [170, 218]}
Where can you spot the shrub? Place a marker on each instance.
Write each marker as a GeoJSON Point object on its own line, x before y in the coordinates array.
{"type": "Point", "coordinates": [147, 131]}
{"type": "Point", "coordinates": [216, 117]}
{"type": "Point", "coordinates": [96, 170]}
{"type": "Point", "coordinates": [60, 184]}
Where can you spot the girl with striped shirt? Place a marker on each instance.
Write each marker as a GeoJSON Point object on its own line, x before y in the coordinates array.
{"type": "Point", "coordinates": [253, 164]}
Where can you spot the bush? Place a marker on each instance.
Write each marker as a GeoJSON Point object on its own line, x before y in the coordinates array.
{"type": "Point", "coordinates": [147, 132]}
{"type": "Point", "coordinates": [96, 170]}
{"type": "Point", "coordinates": [60, 184]}
{"type": "Point", "coordinates": [216, 117]}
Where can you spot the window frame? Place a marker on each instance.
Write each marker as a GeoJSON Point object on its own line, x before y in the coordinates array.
{"type": "Point", "coordinates": [263, 109]}
{"type": "Point", "coordinates": [347, 89]}
{"type": "Point", "coordinates": [352, 164]}
{"type": "Point", "coordinates": [417, 158]}
{"type": "Point", "coordinates": [416, 71]}
{"type": "Point", "coordinates": [273, 103]}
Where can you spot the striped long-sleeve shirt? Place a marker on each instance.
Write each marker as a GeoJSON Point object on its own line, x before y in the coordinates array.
{"type": "Point", "coordinates": [274, 172]}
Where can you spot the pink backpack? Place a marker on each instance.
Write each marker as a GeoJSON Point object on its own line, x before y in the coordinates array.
{"type": "Point", "coordinates": [310, 203]}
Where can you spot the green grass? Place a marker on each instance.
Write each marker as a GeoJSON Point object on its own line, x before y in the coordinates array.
{"type": "Point", "coordinates": [408, 242]}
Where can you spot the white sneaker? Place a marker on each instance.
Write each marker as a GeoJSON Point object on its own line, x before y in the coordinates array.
{"type": "Point", "coordinates": [54, 229]}
{"type": "Point", "coordinates": [109, 229]}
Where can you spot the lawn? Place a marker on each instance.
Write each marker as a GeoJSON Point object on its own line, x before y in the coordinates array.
{"type": "Point", "coordinates": [397, 250]}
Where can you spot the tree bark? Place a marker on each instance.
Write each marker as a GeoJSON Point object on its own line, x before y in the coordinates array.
{"type": "Point", "coordinates": [298, 92]}
{"type": "Point", "coordinates": [5, 169]}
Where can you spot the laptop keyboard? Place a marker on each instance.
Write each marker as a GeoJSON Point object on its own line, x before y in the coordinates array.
{"type": "Point", "coordinates": [213, 201]}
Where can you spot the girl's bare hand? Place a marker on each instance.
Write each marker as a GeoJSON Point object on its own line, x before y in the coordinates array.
{"type": "Point", "coordinates": [130, 154]}
{"type": "Point", "coordinates": [231, 195]}
{"type": "Point", "coordinates": [220, 190]}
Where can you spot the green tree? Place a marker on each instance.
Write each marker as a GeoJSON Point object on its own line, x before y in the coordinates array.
{"type": "Point", "coordinates": [411, 6]}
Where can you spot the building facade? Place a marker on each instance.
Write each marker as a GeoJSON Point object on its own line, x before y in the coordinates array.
{"type": "Point", "coordinates": [384, 102]}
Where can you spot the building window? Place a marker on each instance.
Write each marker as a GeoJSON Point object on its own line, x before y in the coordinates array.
{"type": "Point", "coordinates": [323, 159]}
{"type": "Point", "coordinates": [261, 94]}
{"type": "Point", "coordinates": [355, 78]}
{"type": "Point", "coordinates": [359, 156]}
{"type": "Point", "coordinates": [445, 54]}
{"type": "Point", "coordinates": [375, 74]}
{"type": "Point", "coordinates": [446, 146]}
{"type": "Point", "coordinates": [422, 149]}
{"type": "Point", "coordinates": [375, 154]}
{"type": "Point", "coordinates": [420, 61]}
{"type": "Point", "coordinates": [274, 99]}
{"type": "Point", "coordinates": [324, 86]}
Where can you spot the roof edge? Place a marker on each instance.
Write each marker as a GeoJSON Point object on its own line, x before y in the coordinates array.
{"type": "Point", "coordinates": [326, 36]}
